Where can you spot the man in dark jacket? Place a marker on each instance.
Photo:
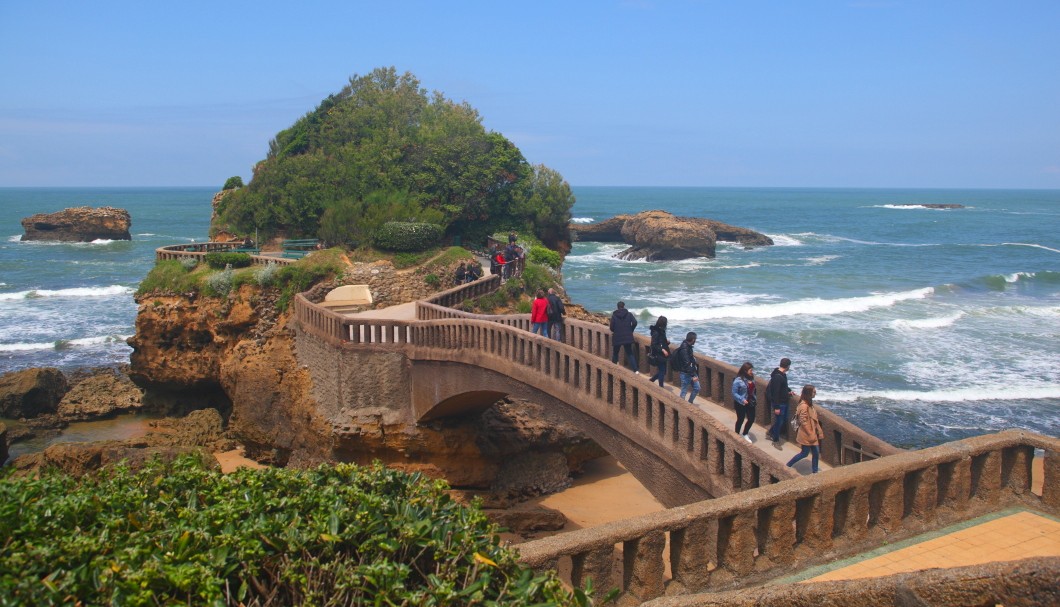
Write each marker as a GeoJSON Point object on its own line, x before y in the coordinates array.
{"type": "Point", "coordinates": [622, 325]}
{"type": "Point", "coordinates": [778, 396]}
{"type": "Point", "coordinates": [556, 312]}
{"type": "Point", "coordinates": [684, 362]}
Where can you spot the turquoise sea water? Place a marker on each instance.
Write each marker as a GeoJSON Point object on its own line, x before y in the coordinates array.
{"type": "Point", "coordinates": [919, 325]}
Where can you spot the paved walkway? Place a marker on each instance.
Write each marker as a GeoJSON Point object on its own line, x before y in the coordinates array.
{"type": "Point", "coordinates": [1004, 536]}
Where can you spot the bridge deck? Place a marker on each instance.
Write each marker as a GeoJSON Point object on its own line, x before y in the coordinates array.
{"type": "Point", "coordinates": [780, 452]}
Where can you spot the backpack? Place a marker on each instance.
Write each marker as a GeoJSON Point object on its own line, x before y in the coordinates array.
{"type": "Point", "coordinates": [795, 423]}
{"type": "Point", "coordinates": [550, 309]}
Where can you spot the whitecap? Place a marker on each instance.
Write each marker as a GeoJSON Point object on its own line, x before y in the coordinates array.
{"type": "Point", "coordinates": [966, 393]}
{"type": "Point", "coordinates": [582, 220]}
{"type": "Point", "coordinates": [783, 240]}
{"type": "Point", "coordinates": [821, 260]}
{"type": "Point", "coordinates": [811, 307]}
{"type": "Point", "coordinates": [1026, 244]}
{"type": "Point", "coordinates": [102, 241]}
{"type": "Point", "coordinates": [15, 238]}
{"type": "Point", "coordinates": [926, 323]}
{"type": "Point", "coordinates": [72, 292]}
{"type": "Point", "coordinates": [62, 344]}
{"type": "Point", "coordinates": [903, 207]}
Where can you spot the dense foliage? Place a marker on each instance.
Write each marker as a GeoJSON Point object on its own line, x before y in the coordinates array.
{"type": "Point", "coordinates": [180, 533]}
{"type": "Point", "coordinates": [384, 149]}
{"type": "Point", "coordinates": [407, 236]}
{"type": "Point", "coordinates": [233, 182]}
{"type": "Point", "coordinates": [218, 260]}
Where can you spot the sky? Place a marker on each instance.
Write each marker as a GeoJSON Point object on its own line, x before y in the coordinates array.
{"type": "Point", "coordinates": [860, 93]}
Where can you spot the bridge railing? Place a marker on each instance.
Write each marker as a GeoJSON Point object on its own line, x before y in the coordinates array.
{"type": "Point", "coordinates": [845, 443]}
{"type": "Point", "coordinates": [692, 441]}
{"type": "Point", "coordinates": [746, 539]}
{"type": "Point", "coordinates": [198, 250]}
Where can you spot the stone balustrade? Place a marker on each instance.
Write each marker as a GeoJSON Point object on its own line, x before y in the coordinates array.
{"type": "Point", "coordinates": [748, 538]}
{"type": "Point", "coordinates": [200, 249]}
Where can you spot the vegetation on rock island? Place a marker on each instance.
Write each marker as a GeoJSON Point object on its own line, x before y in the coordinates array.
{"type": "Point", "coordinates": [182, 533]}
{"type": "Point", "coordinates": [383, 149]}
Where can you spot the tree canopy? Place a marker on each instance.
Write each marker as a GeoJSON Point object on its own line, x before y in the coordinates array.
{"type": "Point", "coordinates": [384, 148]}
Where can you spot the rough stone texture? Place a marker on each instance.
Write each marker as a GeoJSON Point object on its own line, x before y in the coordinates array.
{"type": "Point", "coordinates": [31, 392]}
{"type": "Point", "coordinates": [3, 443]}
{"type": "Point", "coordinates": [660, 236]}
{"type": "Point", "coordinates": [1024, 583]}
{"type": "Point", "coordinates": [528, 520]}
{"type": "Point", "coordinates": [78, 224]}
{"type": "Point", "coordinates": [100, 395]}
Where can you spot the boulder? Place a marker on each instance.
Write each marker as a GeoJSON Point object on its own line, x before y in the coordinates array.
{"type": "Point", "coordinates": [31, 392]}
{"type": "Point", "coordinates": [100, 395]}
{"type": "Point", "coordinates": [78, 224]}
{"type": "Point", "coordinates": [660, 236]}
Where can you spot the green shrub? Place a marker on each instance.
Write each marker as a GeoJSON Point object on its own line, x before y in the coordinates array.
{"type": "Point", "coordinates": [544, 256]}
{"type": "Point", "coordinates": [219, 261]}
{"type": "Point", "coordinates": [189, 263]}
{"type": "Point", "coordinates": [407, 236]}
{"type": "Point", "coordinates": [266, 275]}
{"type": "Point", "coordinates": [179, 533]}
{"type": "Point", "coordinates": [523, 306]}
{"type": "Point", "coordinates": [169, 277]}
{"type": "Point", "coordinates": [233, 182]}
{"type": "Point", "coordinates": [432, 280]}
{"type": "Point", "coordinates": [219, 284]}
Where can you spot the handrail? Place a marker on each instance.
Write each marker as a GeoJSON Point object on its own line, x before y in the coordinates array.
{"type": "Point", "coordinates": [198, 250]}
{"type": "Point", "coordinates": [741, 540]}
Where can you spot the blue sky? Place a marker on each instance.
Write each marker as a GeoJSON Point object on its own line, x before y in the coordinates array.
{"type": "Point", "coordinates": [682, 93]}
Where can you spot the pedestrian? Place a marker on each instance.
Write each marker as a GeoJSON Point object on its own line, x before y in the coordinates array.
{"type": "Point", "coordinates": [809, 435]}
{"type": "Point", "coordinates": [512, 237]}
{"type": "Point", "coordinates": [539, 315]}
{"type": "Point", "coordinates": [659, 354]}
{"type": "Point", "coordinates": [743, 399]}
{"type": "Point", "coordinates": [778, 396]}
{"type": "Point", "coordinates": [684, 360]}
{"type": "Point", "coordinates": [502, 266]}
{"type": "Point", "coordinates": [461, 274]}
{"type": "Point", "coordinates": [474, 272]}
{"type": "Point", "coordinates": [622, 325]}
{"type": "Point", "coordinates": [557, 312]}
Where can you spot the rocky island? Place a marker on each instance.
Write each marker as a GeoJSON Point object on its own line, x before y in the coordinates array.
{"type": "Point", "coordinates": [660, 236]}
{"type": "Point", "coordinates": [78, 224]}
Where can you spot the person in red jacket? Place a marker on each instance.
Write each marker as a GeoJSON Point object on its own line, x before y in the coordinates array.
{"type": "Point", "coordinates": [539, 314]}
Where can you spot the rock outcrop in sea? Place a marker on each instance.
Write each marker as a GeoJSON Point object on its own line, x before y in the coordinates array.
{"type": "Point", "coordinates": [661, 236]}
{"type": "Point", "coordinates": [78, 224]}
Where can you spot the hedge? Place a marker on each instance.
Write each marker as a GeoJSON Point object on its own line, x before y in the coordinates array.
{"type": "Point", "coordinates": [406, 236]}
{"type": "Point", "coordinates": [219, 261]}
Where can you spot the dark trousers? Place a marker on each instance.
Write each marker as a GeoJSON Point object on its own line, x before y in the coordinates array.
{"type": "Point", "coordinates": [631, 357]}
{"type": "Point", "coordinates": [557, 330]}
{"type": "Point", "coordinates": [660, 375]}
{"type": "Point", "coordinates": [744, 412]}
{"type": "Point", "coordinates": [778, 422]}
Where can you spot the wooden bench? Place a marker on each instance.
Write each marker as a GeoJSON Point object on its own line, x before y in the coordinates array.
{"type": "Point", "coordinates": [347, 298]}
{"type": "Point", "coordinates": [297, 248]}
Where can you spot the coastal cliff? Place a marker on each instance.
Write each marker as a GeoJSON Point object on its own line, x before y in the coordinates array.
{"type": "Point", "coordinates": [660, 236]}
{"type": "Point", "coordinates": [238, 354]}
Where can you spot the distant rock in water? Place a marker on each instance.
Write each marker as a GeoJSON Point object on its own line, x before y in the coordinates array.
{"type": "Point", "coordinates": [78, 224]}
{"type": "Point", "coordinates": [933, 205]}
{"type": "Point", "coordinates": [660, 236]}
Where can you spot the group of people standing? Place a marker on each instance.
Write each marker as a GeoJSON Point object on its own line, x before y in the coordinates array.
{"type": "Point", "coordinates": [745, 401]}
{"type": "Point", "coordinates": [547, 315]}
{"type": "Point", "coordinates": [502, 261]}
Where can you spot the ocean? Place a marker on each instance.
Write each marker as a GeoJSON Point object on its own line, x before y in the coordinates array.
{"type": "Point", "coordinates": [919, 325]}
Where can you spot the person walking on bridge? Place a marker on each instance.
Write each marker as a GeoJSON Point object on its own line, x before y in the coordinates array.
{"type": "Point", "coordinates": [622, 325]}
{"type": "Point", "coordinates": [539, 315]}
{"type": "Point", "coordinates": [778, 395]}
{"type": "Point", "coordinates": [660, 349]}
{"type": "Point", "coordinates": [685, 363]}
{"type": "Point", "coordinates": [743, 399]}
{"type": "Point", "coordinates": [809, 434]}
{"type": "Point", "coordinates": [557, 313]}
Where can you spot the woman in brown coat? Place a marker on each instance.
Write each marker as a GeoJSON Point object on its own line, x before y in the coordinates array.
{"type": "Point", "coordinates": [810, 433]}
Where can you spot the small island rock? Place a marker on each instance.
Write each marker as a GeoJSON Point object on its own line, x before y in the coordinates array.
{"type": "Point", "coordinates": [660, 236]}
{"type": "Point", "coordinates": [78, 224]}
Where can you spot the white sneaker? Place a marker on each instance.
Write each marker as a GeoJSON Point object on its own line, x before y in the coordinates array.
{"type": "Point", "coordinates": [636, 373]}
{"type": "Point", "coordinates": [748, 438]}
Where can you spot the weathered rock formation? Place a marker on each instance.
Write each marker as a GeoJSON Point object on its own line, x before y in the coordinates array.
{"type": "Point", "coordinates": [3, 443]}
{"type": "Point", "coordinates": [100, 395]}
{"type": "Point", "coordinates": [660, 236]}
{"type": "Point", "coordinates": [932, 205]}
{"type": "Point", "coordinates": [240, 354]}
{"type": "Point", "coordinates": [79, 224]}
{"type": "Point", "coordinates": [31, 392]}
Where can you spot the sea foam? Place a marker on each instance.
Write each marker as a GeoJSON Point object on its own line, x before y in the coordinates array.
{"type": "Point", "coordinates": [813, 307]}
{"type": "Point", "coordinates": [582, 220]}
{"type": "Point", "coordinates": [72, 292]}
{"type": "Point", "coordinates": [927, 323]}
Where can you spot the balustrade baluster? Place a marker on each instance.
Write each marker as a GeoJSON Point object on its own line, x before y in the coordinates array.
{"type": "Point", "coordinates": [1051, 480]}
{"type": "Point", "coordinates": [597, 564]}
{"type": "Point", "coordinates": [737, 542]}
{"type": "Point", "coordinates": [643, 566]}
{"type": "Point", "coordinates": [693, 553]}
{"type": "Point", "coordinates": [1016, 469]}
{"type": "Point", "coordinates": [986, 477]}
{"type": "Point", "coordinates": [919, 488]}
{"type": "Point", "coordinates": [776, 534]}
{"type": "Point", "coordinates": [885, 505]}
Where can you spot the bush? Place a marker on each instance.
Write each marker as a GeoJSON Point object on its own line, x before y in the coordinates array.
{"type": "Point", "coordinates": [218, 261]}
{"type": "Point", "coordinates": [407, 236]}
{"type": "Point", "coordinates": [233, 182]}
{"type": "Point", "coordinates": [219, 284]}
{"type": "Point", "coordinates": [544, 256]}
{"type": "Point", "coordinates": [180, 533]}
{"type": "Point", "coordinates": [189, 263]}
{"type": "Point", "coordinates": [266, 275]}
{"type": "Point", "coordinates": [432, 280]}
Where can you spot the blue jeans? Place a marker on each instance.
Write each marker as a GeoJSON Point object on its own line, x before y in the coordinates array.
{"type": "Point", "coordinates": [631, 357]}
{"type": "Point", "coordinates": [778, 422]}
{"type": "Point", "coordinates": [806, 450]}
{"type": "Point", "coordinates": [660, 375]}
{"type": "Point", "coordinates": [539, 327]}
{"type": "Point", "coordinates": [686, 380]}
{"type": "Point", "coordinates": [557, 330]}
